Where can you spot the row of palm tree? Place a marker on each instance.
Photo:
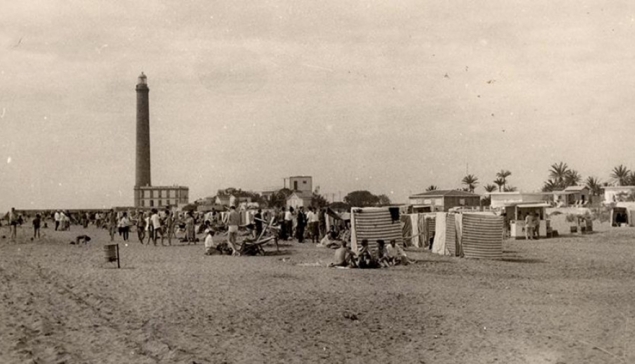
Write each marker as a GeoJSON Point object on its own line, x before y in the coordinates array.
{"type": "Point", "coordinates": [561, 176]}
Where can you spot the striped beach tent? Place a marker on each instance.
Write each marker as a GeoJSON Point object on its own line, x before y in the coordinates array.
{"type": "Point", "coordinates": [482, 236]}
{"type": "Point", "coordinates": [374, 223]}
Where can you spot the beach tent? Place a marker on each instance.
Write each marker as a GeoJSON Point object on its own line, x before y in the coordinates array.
{"type": "Point", "coordinates": [374, 223]}
{"type": "Point", "coordinates": [439, 244]}
{"type": "Point", "coordinates": [482, 236]}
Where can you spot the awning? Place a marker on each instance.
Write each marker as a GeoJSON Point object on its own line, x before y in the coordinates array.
{"type": "Point", "coordinates": [533, 205]}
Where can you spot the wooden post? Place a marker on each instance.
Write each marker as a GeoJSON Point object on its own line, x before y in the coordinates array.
{"type": "Point", "coordinates": [117, 249]}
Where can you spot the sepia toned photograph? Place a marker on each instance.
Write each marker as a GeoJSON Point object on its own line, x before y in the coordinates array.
{"type": "Point", "coordinates": [292, 181]}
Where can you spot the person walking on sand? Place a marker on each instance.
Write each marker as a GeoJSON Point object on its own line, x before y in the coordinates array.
{"type": "Point", "coordinates": [232, 229]}
{"type": "Point", "coordinates": [125, 226]}
{"type": "Point", "coordinates": [37, 222]}
{"type": "Point", "coordinates": [141, 226]}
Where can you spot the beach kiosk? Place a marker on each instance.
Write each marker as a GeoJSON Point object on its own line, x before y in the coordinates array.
{"type": "Point", "coordinates": [517, 213]}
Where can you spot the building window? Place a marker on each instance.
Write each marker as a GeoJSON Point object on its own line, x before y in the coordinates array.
{"type": "Point", "coordinates": [172, 193]}
{"type": "Point", "coordinates": [462, 201]}
{"type": "Point", "coordinates": [151, 203]}
{"type": "Point", "coordinates": [143, 203]}
{"type": "Point", "coordinates": [155, 193]}
{"type": "Point", "coordinates": [146, 194]}
{"type": "Point", "coordinates": [295, 185]}
{"type": "Point", "coordinates": [304, 182]}
{"type": "Point", "coordinates": [164, 193]}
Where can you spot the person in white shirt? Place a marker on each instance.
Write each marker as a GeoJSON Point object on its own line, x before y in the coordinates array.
{"type": "Point", "coordinates": [210, 247]}
{"type": "Point", "coordinates": [313, 220]}
{"type": "Point", "coordinates": [288, 222]}
{"type": "Point", "coordinates": [156, 226]}
{"type": "Point", "coordinates": [395, 254]}
{"type": "Point", "coordinates": [125, 226]}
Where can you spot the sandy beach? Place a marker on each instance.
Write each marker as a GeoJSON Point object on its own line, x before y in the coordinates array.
{"type": "Point", "coordinates": [563, 300]}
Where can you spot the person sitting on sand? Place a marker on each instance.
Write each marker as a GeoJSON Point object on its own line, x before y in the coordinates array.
{"type": "Point", "coordinates": [396, 254]}
{"type": "Point", "coordinates": [210, 247]}
{"type": "Point", "coordinates": [364, 257]}
{"type": "Point", "coordinates": [329, 241]}
{"type": "Point", "coordinates": [343, 257]}
{"type": "Point", "coordinates": [382, 255]}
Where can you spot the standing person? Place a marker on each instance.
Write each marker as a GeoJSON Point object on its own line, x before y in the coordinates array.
{"type": "Point", "coordinates": [112, 224]}
{"type": "Point", "coordinates": [232, 228]}
{"type": "Point", "coordinates": [149, 229]}
{"type": "Point", "coordinates": [125, 226]}
{"type": "Point", "coordinates": [13, 224]}
{"type": "Point", "coordinates": [288, 223]}
{"type": "Point", "coordinates": [301, 224]}
{"type": "Point", "coordinates": [529, 226]}
{"type": "Point", "coordinates": [258, 222]}
{"type": "Point", "coordinates": [37, 222]}
{"type": "Point", "coordinates": [170, 223]}
{"type": "Point", "coordinates": [537, 225]}
{"type": "Point", "coordinates": [141, 226]}
{"type": "Point", "coordinates": [322, 222]}
{"type": "Point", "coordinates": [56, 217]}
{"type": "Point", "coordinates": [190, 232]}
{"type": "Point", "coordinates": [155, 221]}
{"type": "Point", "coordinates": [314, 225]}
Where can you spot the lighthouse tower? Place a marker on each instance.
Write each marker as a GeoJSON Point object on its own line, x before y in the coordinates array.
{"type": "Point", "coordinates": [147, 196]}
{"type": "Point", "coordinates": [143, 133]}
{"type": "Point", "coordinates": [142, 177]}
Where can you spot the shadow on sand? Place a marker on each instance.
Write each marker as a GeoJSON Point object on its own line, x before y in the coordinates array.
{"type": "Point", "coordinates": [522, 260]}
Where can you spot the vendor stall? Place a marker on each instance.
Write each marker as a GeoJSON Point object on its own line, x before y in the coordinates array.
{"type": "Point", "coordinates": [517, 214]}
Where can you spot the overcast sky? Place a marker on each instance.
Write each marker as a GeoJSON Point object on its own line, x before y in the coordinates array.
{"type": "Point", "coordinates": [388, 96]}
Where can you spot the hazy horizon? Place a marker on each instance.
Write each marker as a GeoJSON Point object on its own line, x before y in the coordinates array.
{"type": "Point", "coordinates": [367, 95]}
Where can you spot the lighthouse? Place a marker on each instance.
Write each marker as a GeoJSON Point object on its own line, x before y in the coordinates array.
{"type": "Point", "coordinates": [147, 196]}
{"type": "Point", "coordinates": [143, 133]}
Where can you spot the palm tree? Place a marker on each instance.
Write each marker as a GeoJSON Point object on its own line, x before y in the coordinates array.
{"type": "Point", "coordinates": [620, 175]}
{"type": "Point", "coordinates": [510, 189]}
{"type": "Point", "coordinates": [500, 183]}
{"type": "Point", "coordinates": [594, 185]}
{"type": "Point", "coordinates": [550, 186]}
{"type": "Point", "coordinates": [631, 179]}
{"type": "Point", "coordinates": [558, 172]}
{"type": "Point", "coordinates": [470, 181]}
{"type": "Point", "coordinates": [431, 188]}
{"type": "Point", "coordinates": [503, 174]}
{"type": "Point", "coordinates": [489, 188]}
{"type": "Point", "coordinates": [572, 178]}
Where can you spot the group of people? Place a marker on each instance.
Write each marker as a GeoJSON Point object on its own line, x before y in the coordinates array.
{"type": "Point", "coordinates": [385, 256]}
{"type": "Point", "coordinates": [299, 223]}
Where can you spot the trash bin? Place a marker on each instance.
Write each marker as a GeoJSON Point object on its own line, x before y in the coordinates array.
{"type": "Point", "coordinates": [111, 252]}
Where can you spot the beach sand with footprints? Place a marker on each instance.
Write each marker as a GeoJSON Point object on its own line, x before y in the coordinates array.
{"type": "Point", "coordinates": [563, 300]}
